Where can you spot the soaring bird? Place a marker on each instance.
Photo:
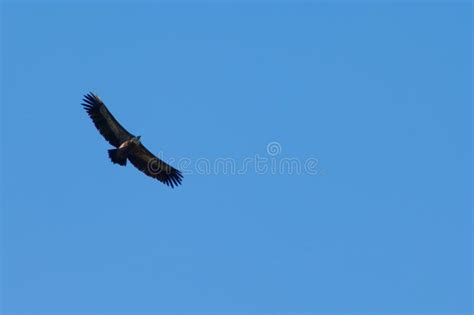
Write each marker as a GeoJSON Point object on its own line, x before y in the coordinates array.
{"type": "Point", "coordinates": [128, 146]}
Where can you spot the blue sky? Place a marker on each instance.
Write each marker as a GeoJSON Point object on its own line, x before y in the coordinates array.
{"type": "Point", "coordinates": [378, 93]}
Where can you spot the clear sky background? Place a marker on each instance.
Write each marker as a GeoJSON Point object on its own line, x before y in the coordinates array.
{"type": "Point", "coordinates": [379, 93]}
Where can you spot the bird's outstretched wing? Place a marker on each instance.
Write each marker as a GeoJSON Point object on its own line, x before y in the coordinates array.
{"type": "Point", "coordinates": [152, 166]}
{"type": "Point", "coordinates": [103, 120]}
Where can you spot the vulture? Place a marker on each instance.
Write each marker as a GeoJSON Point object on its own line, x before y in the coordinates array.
{"type": "Point", "coordinates": [128, 146]}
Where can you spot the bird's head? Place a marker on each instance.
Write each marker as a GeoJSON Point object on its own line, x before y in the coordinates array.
{"type": "Point", "coordinates": [136, 139]}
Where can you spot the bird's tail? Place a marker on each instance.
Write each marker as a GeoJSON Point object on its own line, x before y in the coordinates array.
{"type": "Point", "coordinates": [118, 156]}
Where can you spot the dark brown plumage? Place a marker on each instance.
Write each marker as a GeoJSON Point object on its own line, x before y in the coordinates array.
{"type": "Point", "coordinates": [127, 145]}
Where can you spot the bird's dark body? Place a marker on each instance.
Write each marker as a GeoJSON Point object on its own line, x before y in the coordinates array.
{"type": "Point", "coordinates": [127, 146]}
